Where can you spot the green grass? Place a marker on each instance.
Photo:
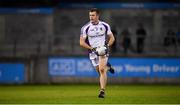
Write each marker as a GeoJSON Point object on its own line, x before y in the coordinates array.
{"type": "Point", "coordinates": [79, 94]}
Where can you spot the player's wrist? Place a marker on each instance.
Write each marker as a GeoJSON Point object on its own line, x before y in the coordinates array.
{"type": "Point", "coordinates": [107, 45]}
{"type": "Point", "coordinates": [93, 49]}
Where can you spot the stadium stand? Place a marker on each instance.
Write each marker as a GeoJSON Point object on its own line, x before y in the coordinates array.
{"type": "Point", "coordinates": [58, 33]}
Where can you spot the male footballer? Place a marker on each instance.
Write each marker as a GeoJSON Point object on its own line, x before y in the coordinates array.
{"type": "Point", "coordinates": [96, 34]}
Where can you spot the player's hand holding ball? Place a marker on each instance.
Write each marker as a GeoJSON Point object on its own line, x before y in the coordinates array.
{"type": "Point", "coordinates": [102, 50]}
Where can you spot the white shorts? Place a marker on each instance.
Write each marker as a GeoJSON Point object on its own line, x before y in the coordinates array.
{"type": "Point", "coordinates": [95, 58]}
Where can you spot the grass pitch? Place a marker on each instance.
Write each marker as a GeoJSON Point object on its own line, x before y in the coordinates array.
{"type": "Point", "coordinates": [87, 94]}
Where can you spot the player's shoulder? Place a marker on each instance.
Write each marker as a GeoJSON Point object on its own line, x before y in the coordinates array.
{"type": "Point", "coordinates": [104, 23]}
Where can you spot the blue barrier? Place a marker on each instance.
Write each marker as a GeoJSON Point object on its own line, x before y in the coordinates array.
{"type": "Point", "coordinates": [27, 10]}
{"type": "Point", "coordinates": [146, 67]}
{"type": "Point", "coordinates": [71, 67]}
{"type": "Point", "coordinates": [11, 73]}
{"type": "Point", "coordinates": [125, 67]}
{"type": "Point", "coordinates": [119, 5]}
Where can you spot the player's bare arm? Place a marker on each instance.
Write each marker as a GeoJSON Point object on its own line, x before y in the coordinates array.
{"type": "Point", "coordinates": [84, 44]}
{"type": "Point", "coordinates": [111, 40]}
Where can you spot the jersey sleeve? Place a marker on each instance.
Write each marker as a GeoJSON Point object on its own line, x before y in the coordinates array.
{"type": "Point", "coordinates": [83, 32]}
{"type": "Point", "coordinates": [109, 30]}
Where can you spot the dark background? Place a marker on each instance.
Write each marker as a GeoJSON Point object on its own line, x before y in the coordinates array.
{"type": "Point", "coordinates": [35, 3]}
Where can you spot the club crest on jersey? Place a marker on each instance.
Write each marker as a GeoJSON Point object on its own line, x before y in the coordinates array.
{"type": "Point", "coordinates": [96, 29]}
{"type": "Point", "coordinates": [101, 28]}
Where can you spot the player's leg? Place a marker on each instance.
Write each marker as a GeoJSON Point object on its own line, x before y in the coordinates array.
{"type": "Point", "coordinates": [103, 74]}
{"type": "Point", "coordinates": [95, 61]}
{"type": "Point", "coordinates": [97, 69]}
{"type": "Point", "coordinates": [110, 68]}
{"type": "Point", "coordinates": [102, 70]}
{"type": "Point", "coordinates": [95, 64]}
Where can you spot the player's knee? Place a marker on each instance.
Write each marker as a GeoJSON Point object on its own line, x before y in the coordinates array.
{"type": "Point", "coordinates": [102, 70]}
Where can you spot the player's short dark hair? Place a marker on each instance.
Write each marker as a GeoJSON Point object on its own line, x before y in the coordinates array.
{"type": "Point", "coordinates": [94, 10]}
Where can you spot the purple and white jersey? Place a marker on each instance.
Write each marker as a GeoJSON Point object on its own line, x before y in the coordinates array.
{"type": "Point", "coordinates": [96, 34]}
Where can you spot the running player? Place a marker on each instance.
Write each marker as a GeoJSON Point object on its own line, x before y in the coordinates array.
{"type": "Point", "coordinates": [94, 34]}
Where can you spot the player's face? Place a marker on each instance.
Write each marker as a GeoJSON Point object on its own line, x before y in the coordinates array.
{"type": "Point", "coordinates": [94, 17]}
